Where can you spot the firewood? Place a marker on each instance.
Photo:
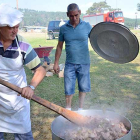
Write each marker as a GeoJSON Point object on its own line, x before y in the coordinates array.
{"type": "Point", "coordinates": [52, 71]}
{"type": "Point", "coordinates": [51, 66]}
{"type": "Point", "coordinates": [49, 74]}
{"type": "Point", "coordinates": [61, 73]}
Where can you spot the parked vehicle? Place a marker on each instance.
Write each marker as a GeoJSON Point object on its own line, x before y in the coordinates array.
{"type": "Point", "coordinates": [114, 16]}
{"type": "Point", "coordinates": [138, 27]}
{"type": "Point", "coordinates": [53, 29]}
{"type": "Point", "coordinates": [34, 29]}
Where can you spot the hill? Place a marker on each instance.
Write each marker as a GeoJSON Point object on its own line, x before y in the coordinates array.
{"type": "Point", "coordinates": [42, 18]}
{"type": "Point", "coordinates": [131, 23]}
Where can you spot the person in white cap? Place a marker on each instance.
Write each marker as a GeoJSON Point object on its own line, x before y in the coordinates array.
{"type": "Point", "coordinates": [15, 53]}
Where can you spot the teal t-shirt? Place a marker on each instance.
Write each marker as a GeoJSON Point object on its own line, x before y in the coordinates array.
{"type": "Point", "coordinates": [76, 42]}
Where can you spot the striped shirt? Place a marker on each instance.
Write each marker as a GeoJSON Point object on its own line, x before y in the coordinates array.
{"type": "Point", "coordinates": [30, 58]}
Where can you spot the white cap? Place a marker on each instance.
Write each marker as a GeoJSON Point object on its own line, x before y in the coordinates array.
{"type": "Point", "coordinates": [9, 16]}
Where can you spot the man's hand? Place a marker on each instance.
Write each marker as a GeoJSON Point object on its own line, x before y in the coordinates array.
{"type": "Point", "coordinates": [27, 92]}
{"type": "Point", "coordinates": [57, 56]}
{"type": "Point", "coordinates": [56, 68]}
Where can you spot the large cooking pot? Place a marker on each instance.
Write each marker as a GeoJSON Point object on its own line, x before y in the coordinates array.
{"type": "Point", "coordinates": [59, 122]}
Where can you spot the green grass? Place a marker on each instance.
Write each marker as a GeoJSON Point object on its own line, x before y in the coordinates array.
{"type": "Point", "coordinates": [36, 39]}
{"type": "Point", "coordinates": [113, 86]}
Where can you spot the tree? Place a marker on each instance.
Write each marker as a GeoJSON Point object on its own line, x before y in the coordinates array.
{"type": "Point", "coordinates": [40, 18]}
{"type": "Point", "coordinates": [98, 7]}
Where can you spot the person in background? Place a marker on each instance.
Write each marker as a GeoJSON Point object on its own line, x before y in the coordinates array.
{"type": "Point", "coordinates": [15, 53]}
{"type": "Point", "coordinates": [61, 23]}
{"type": "Point", "coordinates": [75, 34]}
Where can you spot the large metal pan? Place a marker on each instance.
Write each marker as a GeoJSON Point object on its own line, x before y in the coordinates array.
{"type": "Point", "coordinates": [114, 42]}
{"type": "Point", "coordinates": [59, 123]}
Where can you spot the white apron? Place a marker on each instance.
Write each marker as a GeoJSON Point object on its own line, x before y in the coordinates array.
{"type": "Point", "coordinates": [14, 110]}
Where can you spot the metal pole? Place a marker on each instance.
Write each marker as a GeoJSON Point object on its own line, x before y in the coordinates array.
{"type": "Point", "coordinates": [136, 21]}
{"type": "Point", "coordinates": [17, 4]}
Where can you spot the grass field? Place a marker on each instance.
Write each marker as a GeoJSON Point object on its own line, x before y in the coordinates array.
{"type": "Point", "coordinates": [113, 86]}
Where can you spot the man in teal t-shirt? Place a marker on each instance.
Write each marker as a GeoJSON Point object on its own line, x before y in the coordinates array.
{"type": "Point", "coordinates": [75, 34]}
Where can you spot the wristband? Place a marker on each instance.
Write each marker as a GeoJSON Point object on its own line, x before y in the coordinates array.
{"type": "Point", "coordinates": [32, 87]}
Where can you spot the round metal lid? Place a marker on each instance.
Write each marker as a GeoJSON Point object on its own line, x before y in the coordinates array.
{"type": "Point", "coordinates": [114, 42]}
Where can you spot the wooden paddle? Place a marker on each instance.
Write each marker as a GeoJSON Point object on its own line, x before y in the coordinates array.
{"type": "Point", "coordinates": [70, 115]}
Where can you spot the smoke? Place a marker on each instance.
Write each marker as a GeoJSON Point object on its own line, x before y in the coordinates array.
{"type": "Point", "coordinates": [122, 107]}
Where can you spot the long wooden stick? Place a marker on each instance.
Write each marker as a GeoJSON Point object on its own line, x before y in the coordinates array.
{"type": "Point", "coordinates": [70, 115]}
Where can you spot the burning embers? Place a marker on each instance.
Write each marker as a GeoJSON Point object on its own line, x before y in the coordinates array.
{"type": "Point", "coordinates": [97, 129]}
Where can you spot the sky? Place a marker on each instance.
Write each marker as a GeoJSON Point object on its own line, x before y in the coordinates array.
{"type": "Point", "coordinates": [129, 7]}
